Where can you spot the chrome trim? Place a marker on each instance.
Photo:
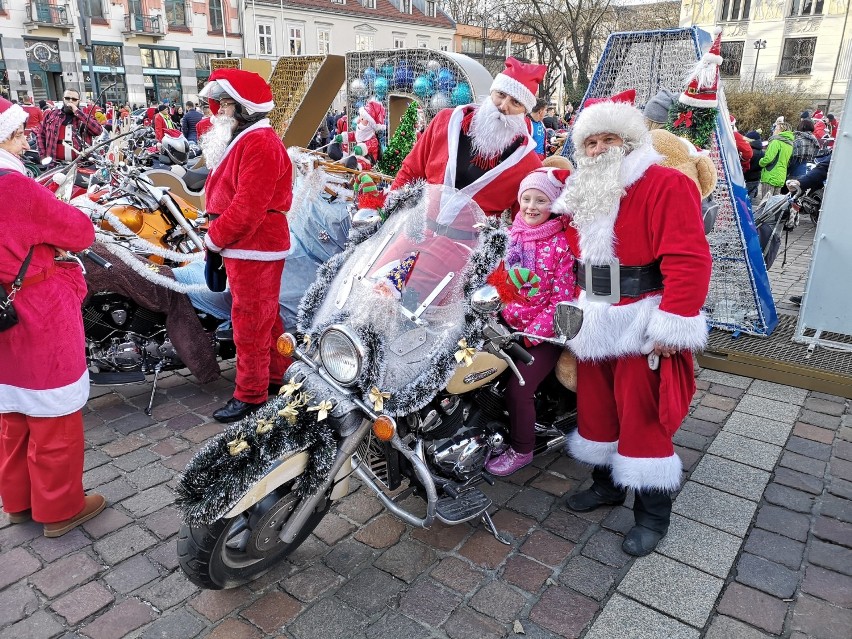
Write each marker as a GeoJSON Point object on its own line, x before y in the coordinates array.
{"type": "Point", "coordinates": [435, 292]}
{"type": "Point", "coordinates": [360, 350]}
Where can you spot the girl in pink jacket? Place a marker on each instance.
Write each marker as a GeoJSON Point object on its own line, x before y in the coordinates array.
{"type": "Point", "coordinates": [540, 266]}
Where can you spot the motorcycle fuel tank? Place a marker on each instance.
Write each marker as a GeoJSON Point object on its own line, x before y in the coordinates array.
{"type": "Point", "coordinates": [485, 368]}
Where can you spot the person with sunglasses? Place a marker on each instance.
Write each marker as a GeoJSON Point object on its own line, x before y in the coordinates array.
{"type": "Point", "coordinates": [67, 130]}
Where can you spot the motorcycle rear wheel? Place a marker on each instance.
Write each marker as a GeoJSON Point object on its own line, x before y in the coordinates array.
{"type": "Point", "coordinates": [231, 552]}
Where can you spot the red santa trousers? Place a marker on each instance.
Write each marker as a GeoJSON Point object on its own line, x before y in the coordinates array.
{"type": "Point", "coordinates": [627, 415]}
{"type": "Point", "coordinates": [257, 325]}
{"type": "Point", "coordinates": [41, 465]}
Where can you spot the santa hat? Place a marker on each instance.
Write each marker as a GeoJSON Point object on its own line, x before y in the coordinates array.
{"type": "Point", "coordinates": [818, 115]}
{"type": "Point", "coordinates": [396, 279]}
{"type": "Point", "coordinates": [369, 197]}
{"type": "Point", "coordinates": [12, 116]}
{"type": "Point", "coordinates": [548, 181]}
{"type": "Point", "coordinates": [733, 122]}
{"type": "Point", "coordinates": [520, 81]}
{"type": "Point", "coordinates": [374, 113]}
{"type": "Point", "coordinates": [701, 90]}
{"type": "Point", "coordinates": [615, 114]}
{"type": "Point", "coordinates": [247, 88]}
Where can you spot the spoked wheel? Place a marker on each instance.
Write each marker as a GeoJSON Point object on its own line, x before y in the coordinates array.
{"type": "Point", "coordinates": [231, 552]}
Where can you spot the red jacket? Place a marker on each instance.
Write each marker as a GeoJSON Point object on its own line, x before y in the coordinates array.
{"type": "Point", "coordinates": [35, 116]}
{"type": "Point", "coordinates": [251, 190]}
{"type": "Point", "coordinates": [744, 149]}
{"type": "Point", "coordinates": [160, 126]}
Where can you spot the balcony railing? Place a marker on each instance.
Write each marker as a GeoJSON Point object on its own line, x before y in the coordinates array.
{"type": "Point", "coordinates": [139, 24]}
{"type": "Point", "coordinates": [48, 14]}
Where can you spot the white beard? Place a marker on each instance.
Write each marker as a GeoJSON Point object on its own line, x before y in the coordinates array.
{"type": "Point", "coordinates": [364, 132]}
{"type": "Point", "coordinates": [215, 142]}
{"type": "Point", "coordinates": [595, 190]}
{"type": "Point", "coordinates": [491, 132]}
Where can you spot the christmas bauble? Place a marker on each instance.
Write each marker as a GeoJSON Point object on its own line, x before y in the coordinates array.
{"type": "Point", "coordinates": [439, 101]}
{"type": "Point", "coordinates": [446, 80]}
{"type": "Point", "coordinates": [461, 94]}
{"type": "Point", "coordinates": [358, 88]}
{"type": "Point", "coordinates": [381, 87]}
{"type": "Point", "coordinates": [387, 71]}
{"type": "Point", "coordinates": [433, 66]}
{"type": "Point", "coordinates": [369, 75]}
{"type": "Point", "coordinates": [404, 76]}
{"type": "Point", "coordinates": [423, 86]}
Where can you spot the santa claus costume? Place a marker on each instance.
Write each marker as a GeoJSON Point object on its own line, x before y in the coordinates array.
{"type": "Point", "coordinates": [644, 270]}
{"type": "Point", "coordinates": [454, 148]}
{"type": "Point", "coordinates": [362, 144]}
{"type": "Point", "coordinates": [249, 192]}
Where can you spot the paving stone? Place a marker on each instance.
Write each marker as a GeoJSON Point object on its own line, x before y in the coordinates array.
{"type": "Point", "coordinates": [800, 481]}
{"type": "Point", "coordinates": [54, 548]}
{"type": "Point", "coordinates": [837, 507]}
{"type": "Point", "coordinates": [462, 578]}
{"type": "Point", "coordinates": [768, 576]}
{"type": "Point", "coordinates": [100, 435]}
{"type": "Point", "coordinates": [746, 451]}
{"type": "Point", "coordinates": [41, 625]}
{"type": "Point", "coordinates": [131, 574]}
{"type": "Point", "coordinates": [729, 628]}
{"type": "Point", "coordinates": [547, 548]}
{"type": "Point", "coordinates": [100, 475]}
{"type": "Point", "coordinates": [778, 548]}
{"type": "Point", "coordinates": [93, 458]}
{"type": "Point", "coordinates": [783, 522]}
{"type": "Point", "coordinates": [605, 546]}
{"type": "Point", "coordinates": [202, 432]}
{"type": "Point", "coordinates": [588, 577]}
{"type": "Point", "coordinates": [428, 603]}
{"type": "Point", "coordinates": [178, 623]}
{"type": "Point", "coordinates": [715, 508]}
{"type": "Point", "coordinates": [150, 476]}
{"type": "Point", "coordinates": [628, 619]}
{"type": "Point", "coordinates": [533, 503]}
{"type": "Point", "coordinates": [726, 391]}
{"type": "Point", "coordinates": [563, 612]}
{"type": "Point", "coordinates": [116, 491]}
{"type": "Point", "coordinates": [484, 550]}
{"type": "Point", "coordinates": [443, 537]}
{"type": "Point", "coordinates": [523, 476]}
{"type": "Point", "coordinates": [62, 574]}
{"type": "Point", "coordinates": [809, 448]}
{"type": "Point", "coordinates": [501, 492]}
{"type": "Point", "coordinates": [17, 564]}
{"type": "Point", "coordinates": [554, 484]}
{"type": "Point", "coordinates": [787, 497]}
{"type": "Point", "coordinates": [16, 602]}
{"type": "Point", "coordinates": [125, 543]}
{"type": "Point", "coordinates": [820, 620]}
{"type": "Point", "coordinates": [272, 611]}
{"type": "Point", "coordinates": [149, 501]}
{"type": "Point", "coordinates": [841, 469]}
{"type": "Point", "coordinates": [124, 445]}
{"type": "Point", "coordinates": [310, 583]}
{"type": "Point", "coordinates": [308, 550]}
{"type": "Point", "coordinates": [217, 604]}
{"type": "Point", "coordinates": [396, 625]}
{"type": "Point", "coordinates": [691, 440]}
{"type": "Point", "coordinates": [689, 457]}
{"type": "Point", "coordinates": [466, 624]}
{"type": "Point", "coordinates": [333, 528]}
{"type": "Point", "coordinates": [815, 433]}
{"type": "Point", "coordinates": [170, 591]}
{"type": "Point", "coordinates": [728, 379]}
{"type": "Point", "coordinates": [829, 398]}
{"type": "Point", "coordinates": [360, 506]}
{"type": "Point", "coordinates": [822, 420]}
{"type": "Point", "coordinates": [371, 591]}
{"type": "Point", "coordinates": [132, 422]}
{"type": "Point", "coordinates": [824, 406]}
{"type": "Point", "coordinates": [108, 521]}
{"type": "Point", "coordinates": [620, 519]}
{"type": "Point", "coordinates": [406, 560]}
{"type": "Point", "coordinates": [829, 585]}
{"type": "Point", "coordinates": [385, 530]}
{"type": "Point", "coordinates": [758, 427]}
{"type": "Point", "coordinates": [570, 467]}
{"type": "Point", "coordinates": [700, 546]}
{"type": "Point", "coordinates": [515, 524]}
{"type": "Point", "coordinates": [731, 477]}
{"type": "Point", "coordinates": [700, 427]}
{"type": "Point", "coordinates": [718, 401]}
{"type": "Point", "coordinates": [82, 602]}
{"type": "Point", "coordinates": [754, 607]}
{"type": "Point", "coordinates": [178, 462]}
{"type": "Point", "coordinates": [840, 487]}
{"type": "Point", "coordinates": [234, 629]}
{"type": "Point", "coordinates": [498, 601]}
{"type": "Point", "coordinates": [833, 531]}
{"type": "Point", "coordinates": [713, 415]}
{"type": "Point", "coordinates": [566, 525]}
{"type": "Point", "coordinates": [170, 446]}
{"type": "Point", "coordinates": [778, 392]}
{"type": "Point", "coordinates": [829, 556]}
{"type": "Point", "coordinates": [524, 573]}
{"type": "Point", "coordinates": [164, 523]}
{"type": "Point", "coordinates": [165, 554]}
{"type": "Point", "coordinates": [780, 411]}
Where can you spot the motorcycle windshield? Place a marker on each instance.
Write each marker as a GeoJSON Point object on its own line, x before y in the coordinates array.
{"type": "Point", "coordinates": [405, 284]}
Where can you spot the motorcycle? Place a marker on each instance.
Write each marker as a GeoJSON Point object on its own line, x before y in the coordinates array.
{"type": "Point", "coordinates": [398, 379]}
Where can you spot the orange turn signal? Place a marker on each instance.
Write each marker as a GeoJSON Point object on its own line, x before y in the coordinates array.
{"type": "Point", "coordinates": [286, 345]}
{"type": "Point", "coordinates": [384, 428]}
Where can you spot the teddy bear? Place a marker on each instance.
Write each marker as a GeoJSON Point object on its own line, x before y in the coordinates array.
{"type": "Point", "coordinates": [680, 154]}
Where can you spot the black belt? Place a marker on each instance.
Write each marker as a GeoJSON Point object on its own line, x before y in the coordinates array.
{"type": "Point", "coordinates": [634, 281]}
{"type": "Point", "coordinates": [447, 231]}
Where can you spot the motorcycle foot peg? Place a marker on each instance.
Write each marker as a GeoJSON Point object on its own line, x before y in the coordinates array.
{"type": "Point", "coordinates": [488, 478]}
{"type": "Point", "coordinates": [451, 491]}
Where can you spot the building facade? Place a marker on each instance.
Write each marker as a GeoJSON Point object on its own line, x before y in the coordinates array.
{"type": "Point", "coordinates": [808, 41]}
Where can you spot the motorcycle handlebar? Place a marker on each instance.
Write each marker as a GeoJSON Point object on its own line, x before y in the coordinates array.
{"type": "Point", "coordinates": [519, 353]}
{"type": "Point", "coordinates": [97, 259]}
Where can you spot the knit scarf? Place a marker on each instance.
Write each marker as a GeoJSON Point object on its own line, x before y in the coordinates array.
{"type": "Point", "coordinates": [524, 238]}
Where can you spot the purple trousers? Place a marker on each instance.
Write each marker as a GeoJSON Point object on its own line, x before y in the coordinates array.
{"type": "Point", "coordinates": [519, 399]}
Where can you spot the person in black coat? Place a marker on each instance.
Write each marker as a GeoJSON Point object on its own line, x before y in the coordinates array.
{"type": "Point", "coordinates": [752, 175]}
{"type": "Point", "coordinates": [813, 179]}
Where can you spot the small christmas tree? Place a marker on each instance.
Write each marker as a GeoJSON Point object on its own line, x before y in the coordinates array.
{"type": "Point", "coordinates": [400, 144]}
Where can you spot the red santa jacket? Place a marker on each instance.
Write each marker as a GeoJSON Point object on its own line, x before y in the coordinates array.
{"type": "Point", "coordinates": [43, 358]}
{"type": "Point", "coordinates": [658, 220]}
{"type": "Point", "coordinates": [366, 152]}
{"type": "Point", "coordinates": [251, 190]}
{"type": "Point", "coordinates": [435, 155]}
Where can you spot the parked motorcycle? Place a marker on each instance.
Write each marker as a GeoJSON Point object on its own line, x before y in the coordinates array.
{"type": "Point", "coordinates": [399, 378]}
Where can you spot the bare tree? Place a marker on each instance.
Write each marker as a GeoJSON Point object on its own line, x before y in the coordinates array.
{"type": "Point", "coordinates": [463, 11]}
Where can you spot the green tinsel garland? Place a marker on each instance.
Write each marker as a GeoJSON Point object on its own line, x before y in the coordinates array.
{"type": "Point", "coordinates": [400, 144]}
{"type": "Point", "coordinates": [700, 130]}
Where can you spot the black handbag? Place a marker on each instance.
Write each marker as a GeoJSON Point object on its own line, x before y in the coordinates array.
{"type": "Point", "coordinates": [214, 272]}
{"type": "Point", "coordinates": [8, 315]}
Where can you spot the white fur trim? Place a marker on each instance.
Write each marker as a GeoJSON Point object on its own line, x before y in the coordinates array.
{"type": "Point", "coordinates": [623, 119]}
{"type": "Point", "coordinates": [10, 120]}
{"type": "Point", "coordinates": [683, 333]}
{"type": "Point", "coordinates": [262, 124]}
{"type": "Point", "coordinates": [647, 473]}
{"type": "Point", "coordinates": [256, 256]}
{"type": "Point", "coordinates": [211, 244]}
{"type": "Point", "coordinates": [613, 331]}
{"type": "Point", "coordinates": [713, 58]}
{"type": "Point", "coordinates": [590, 452]}
{"type": "Point", "coordinates": [510, 86]}
{"type": "Point", "coordinates": [695, 102]}
{"type": "Point", "coordinates": [366, 115]}
{"type": "Point", "coordinates": [47, 402]}
{"type": "Point", "coordinates": [252, 107]}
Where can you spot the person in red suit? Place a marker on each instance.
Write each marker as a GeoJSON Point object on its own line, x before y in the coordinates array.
{"type": "Point", "coordinates": [34, 114]}
{"type": "Point", "coordinates": [484, 150]}
{"type": "Point", "coordinates": [249, 192]}
{"type": "Point", "coordinates": [638, 224]}
{"type": "Point", "coordinates": [44, 383]}
{"type": "Point", "coordinates": [744, 150]}
{"type": "Point", "coordinates": [362, 145]}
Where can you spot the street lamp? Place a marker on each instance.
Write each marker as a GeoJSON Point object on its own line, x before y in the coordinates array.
{"type": "Point", "coordinates": [759, 45]}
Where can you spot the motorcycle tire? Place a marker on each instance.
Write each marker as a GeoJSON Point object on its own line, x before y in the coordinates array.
{"type": "Point", "coordinates": [211, 556]}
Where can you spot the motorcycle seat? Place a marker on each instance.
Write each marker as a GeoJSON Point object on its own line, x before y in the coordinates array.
{"type": "Point", "coordinates": [195, 179]}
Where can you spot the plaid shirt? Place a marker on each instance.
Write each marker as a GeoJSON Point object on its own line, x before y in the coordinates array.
{"type": "Point", "coordinates": [49, 131]}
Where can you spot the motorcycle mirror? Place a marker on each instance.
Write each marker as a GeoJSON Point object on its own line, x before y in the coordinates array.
{"type": "Point", "coordinates": [485, 299]}
{"type": "Point", "coordinates": [366, 217]}
{"type": "Point", "coordinates": [567, 320]}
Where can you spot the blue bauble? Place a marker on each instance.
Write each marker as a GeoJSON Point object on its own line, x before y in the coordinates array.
{"type": "Point", "coordinates": [387, 71]}
{"type": "Point", "coordinates": [358, 105]}
{"type": "Point", "coordinates": [381, 87]}
{"type": "Point", "coordinates": [446, 80]}
{"type": "Point", "coordinates": [461, 94]}
{"type": "Point", "coordinates": [369, 75]}
{"type": "Point", "coordinates": [404, 77]}
{"type": "Point", "coordinates": [423, 86]}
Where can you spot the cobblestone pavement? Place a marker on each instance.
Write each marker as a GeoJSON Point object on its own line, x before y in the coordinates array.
{"type": "Point", "coordinates": [760, 544]}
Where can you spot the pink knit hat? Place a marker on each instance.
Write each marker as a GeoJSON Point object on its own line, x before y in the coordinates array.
{"type": "Point", "coordinates": [548, 181]}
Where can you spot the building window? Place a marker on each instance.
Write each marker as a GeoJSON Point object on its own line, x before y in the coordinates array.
{"type": "Point", "coordinates": [798, 56]}
{"type": "Point", "coordinates": [405, 6]}
{"type": "Point", "coordinates": [323, 41]}
{"type": "Point", "coordinates": [423, 43]}
{"type": "Point", "coordinates": [215, 12]}
{"type": "Point", "coordinates": [159, 58]}
{"type": "Point", "coordinates": [93, 8]}
{"type": "Point", "coordinates": [431, 9]}
{"type": "Point", "coordinates": [733, 10]}
{"type": "Point", "coordinates": [265, 44]}
{"type": "Point", "coordinates": [339, 1]}
{"type": "Point", "coordinates": [398, 42]}
{"type": "Point", "coordinates": [732, 58]}
{"type": "Point", "coordinates": [363, 42]}
{"type": "Point", "coordinates": [175, 12]}
{"type": "Point", "coordinates": [806, 8]}
{"type": "Point", "coordinates": [369, 4]}
{"type": "Point", "coordinates": [295, 40]}
{"type": "Point", "coordinates": [471, 45]}
{"type": "Point", "coordinates": [202, 66]}
{"type": "Point", "coordinates": [443, 45]}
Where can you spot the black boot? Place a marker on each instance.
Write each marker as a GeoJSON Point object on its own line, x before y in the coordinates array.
{"type": "Point", "coordinates": [652, 511]}
{"type": "Point", "coordinates": [234, 411]}
{"type": "Point", "coordinates": [603, 492]}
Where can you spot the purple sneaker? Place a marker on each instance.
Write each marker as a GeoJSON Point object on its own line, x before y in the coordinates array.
{"type": "Point", "coordinates": [508, 462]}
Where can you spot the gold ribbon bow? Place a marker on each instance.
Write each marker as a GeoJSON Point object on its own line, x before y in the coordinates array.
{"type": "Point", "coordinates": [465, 354]}
{"type": "Point", "coordinates": [264, 425]}
{"type": "Point", "coordinates": [306, 340]}
{"type": "Point", "coordinates": [154, 268]}
{"type": "Point", "coordinates": [378, 398]}
{"type": "Point", "coordinates": [289, 388]}
{"type": "Point", "coordinates": [322, 409]}
{"type": "Point", "coordinates": [289, 412]}
{"type": "Point", "coordinates": [238, 445]}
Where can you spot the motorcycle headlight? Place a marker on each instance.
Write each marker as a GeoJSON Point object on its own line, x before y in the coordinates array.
{"type": "Point", "coordinates": [342, 354]}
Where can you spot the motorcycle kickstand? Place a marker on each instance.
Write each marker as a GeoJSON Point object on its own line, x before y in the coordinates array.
{"type": "Point", "coordinates": [490, 527]}
{"type": "Point", "coordinates": [149, 408]}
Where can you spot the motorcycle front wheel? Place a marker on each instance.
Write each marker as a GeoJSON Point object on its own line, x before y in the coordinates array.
{"type": "Point", "coordinates": [231, 552]}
